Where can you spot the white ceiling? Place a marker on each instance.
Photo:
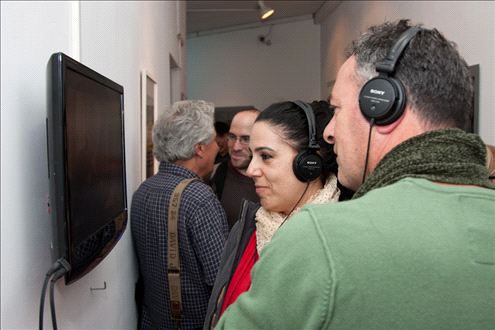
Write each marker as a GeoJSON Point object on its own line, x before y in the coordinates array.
{"type": "Point", "coordinates": [211, 15]}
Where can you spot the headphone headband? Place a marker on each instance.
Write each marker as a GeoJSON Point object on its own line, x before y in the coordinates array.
{"type": "Point", "coordinates": [308, 110]}
{"type": "Point", "coordinates": [388, 64]}
{"type": "Point", "coordinates": [308, 164]}
{"type": "Point", "coordinates": [382, 100]}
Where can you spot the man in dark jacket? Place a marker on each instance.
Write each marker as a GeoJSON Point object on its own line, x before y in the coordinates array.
{"type": "Point", "coordinates": [230, 182]}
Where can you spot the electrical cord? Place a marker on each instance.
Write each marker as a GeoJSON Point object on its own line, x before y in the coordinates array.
{"type": "Point", "coordinates": [57, 275]}
{"type": "Point", "coordinates": [61, 265]}
{"type": "Point", "coordinates": [56, 266]}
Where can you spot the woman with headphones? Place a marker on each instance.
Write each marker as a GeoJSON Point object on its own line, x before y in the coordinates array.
{"type": "Point", "coordinates": [292, 165]}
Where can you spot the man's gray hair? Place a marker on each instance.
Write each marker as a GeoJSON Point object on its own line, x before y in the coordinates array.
{"type": "Point", "coordinates": [180, 128]}
{"type": "Point", "coordinates": [435, 77]}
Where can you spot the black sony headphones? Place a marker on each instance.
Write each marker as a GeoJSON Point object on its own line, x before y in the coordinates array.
{"type": "Point", "coordinates": [384, 98]}
{"type": "Point", "coordinates": [308, 164]}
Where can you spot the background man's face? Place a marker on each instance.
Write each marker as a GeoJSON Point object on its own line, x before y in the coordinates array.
{"type": "Point", "coordinates": [240, 129]}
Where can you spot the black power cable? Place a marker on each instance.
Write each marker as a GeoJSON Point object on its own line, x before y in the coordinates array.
{"type": "Point", "coordinates": [61, 266]}
{"type": "Point", "coordinates": [58, 274]}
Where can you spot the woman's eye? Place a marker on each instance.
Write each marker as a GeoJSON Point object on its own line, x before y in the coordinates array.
{"type": "Point", "coordinates": [265, 156]}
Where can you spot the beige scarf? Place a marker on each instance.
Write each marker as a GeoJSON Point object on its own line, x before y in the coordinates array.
{"type": "Point", "coordinates": [267, 222]}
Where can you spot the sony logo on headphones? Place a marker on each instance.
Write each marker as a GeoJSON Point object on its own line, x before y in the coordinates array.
{"type": "Point", "coordinates": [311, 163]}
{"type": "Point", "coordinates": [374, 91]}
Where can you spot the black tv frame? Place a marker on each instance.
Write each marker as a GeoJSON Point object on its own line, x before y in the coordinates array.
{"type": "Point", "coordinates": [106, 237]}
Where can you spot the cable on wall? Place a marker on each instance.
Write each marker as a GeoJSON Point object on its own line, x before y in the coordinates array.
{"type": "Point", "coordinates": [59, 268]}
{"type": "Point", "coordinates": [262, 38]}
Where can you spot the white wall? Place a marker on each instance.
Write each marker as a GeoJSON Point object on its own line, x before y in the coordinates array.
{"type": "Point", "coordinates": [235, 69]}
{"type": "Point", "coordinates": [470, 24]}
{"type": "Point", "coordinates": [118, 40]}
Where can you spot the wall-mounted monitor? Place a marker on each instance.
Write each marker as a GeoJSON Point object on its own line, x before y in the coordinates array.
{"type": "Point", "coordinates": [86, 163]}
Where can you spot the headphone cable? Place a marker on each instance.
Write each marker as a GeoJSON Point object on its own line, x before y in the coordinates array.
{"type": "Point", "coordinates": [372, 122]}
{"type": "Point", "coordinates": [287, 217]}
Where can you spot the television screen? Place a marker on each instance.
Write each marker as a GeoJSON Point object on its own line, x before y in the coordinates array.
{"type": "Point", "coordinates": [85, 134]}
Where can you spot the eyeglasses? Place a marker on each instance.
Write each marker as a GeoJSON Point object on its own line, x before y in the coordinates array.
{"type": "Point", "coordinates": [244, 140]}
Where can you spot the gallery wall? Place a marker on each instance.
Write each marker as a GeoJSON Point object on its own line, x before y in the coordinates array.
{"type": "Point", "coordinates": [236, 69]}
{"type": "Point", "coordinates": [119, 40]}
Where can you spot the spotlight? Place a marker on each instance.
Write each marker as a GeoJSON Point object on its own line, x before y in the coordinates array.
{"type": "Point", "coordinates": [265, 10]}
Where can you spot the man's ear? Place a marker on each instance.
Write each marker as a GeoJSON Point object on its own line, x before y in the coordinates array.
{"type": "Point", "coordinates": [386, 129]}
{"type": "Point", "coordinates": [200, 149]}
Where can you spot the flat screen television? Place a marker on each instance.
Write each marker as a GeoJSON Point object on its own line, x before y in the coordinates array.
{"type": "Point", "coordinates": [86, 164]}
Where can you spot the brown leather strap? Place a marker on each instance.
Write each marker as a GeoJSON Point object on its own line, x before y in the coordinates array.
{"type": "Point", "coordinates": [173, 269]}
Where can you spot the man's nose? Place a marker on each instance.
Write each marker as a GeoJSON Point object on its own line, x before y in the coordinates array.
{"type": "Point", "coordinates": [328, 133]}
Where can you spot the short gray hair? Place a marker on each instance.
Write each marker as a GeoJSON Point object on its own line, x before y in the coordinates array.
{"type": "Point", "coordinates": [435, 77]}
{"type": "Point", "coordinates": [180, 128]}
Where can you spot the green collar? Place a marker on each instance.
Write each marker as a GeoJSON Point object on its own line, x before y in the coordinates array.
{"type": "Point", "coordinates": [447, 155]}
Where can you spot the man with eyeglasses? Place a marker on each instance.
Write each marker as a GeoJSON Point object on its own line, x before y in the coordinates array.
{"type": "Point", "coordinates": [230, 182]}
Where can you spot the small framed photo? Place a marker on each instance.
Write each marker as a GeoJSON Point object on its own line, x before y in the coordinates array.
{"type": "Point", "coordinates": [149, 106]}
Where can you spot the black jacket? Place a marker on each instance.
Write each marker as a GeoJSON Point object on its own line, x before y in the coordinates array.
{"type": "Point", "coordinates": [231, 256]}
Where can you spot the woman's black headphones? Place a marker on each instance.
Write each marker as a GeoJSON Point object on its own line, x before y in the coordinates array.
{"type": "Point", "coordinates": [308, 164]}
{"type": "Point", "coordinates": [384, 98]}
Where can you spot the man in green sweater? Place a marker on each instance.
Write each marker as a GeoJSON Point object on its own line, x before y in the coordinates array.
{"type": "Point", "coordinates": [415, 247]}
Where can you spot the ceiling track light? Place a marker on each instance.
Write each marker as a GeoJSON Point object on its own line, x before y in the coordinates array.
{"type": "Point", "coordinates": [265, 10]}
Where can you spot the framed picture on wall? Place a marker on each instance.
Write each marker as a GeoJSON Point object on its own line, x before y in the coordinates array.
{"type": "Point", "coordinates": [149, 106]}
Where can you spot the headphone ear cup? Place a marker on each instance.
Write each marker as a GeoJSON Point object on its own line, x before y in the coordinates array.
{"type": "Point", "coordinates": [382, 98]}
{"type": "Point", "coordinates": [307, 165]}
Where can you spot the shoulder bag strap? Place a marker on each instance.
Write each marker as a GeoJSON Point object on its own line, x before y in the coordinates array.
{"type": "Point", "coordinates": [173, 269]}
